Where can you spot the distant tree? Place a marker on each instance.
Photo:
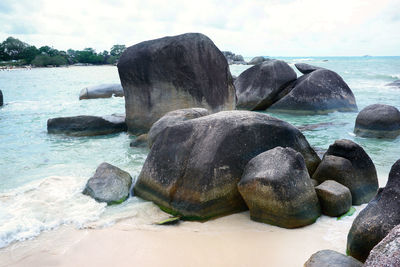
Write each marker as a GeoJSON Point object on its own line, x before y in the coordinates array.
{"type": "Point", "coordinates": [29, 54]}
{"type": "Point", "coordinates": [44, 60]}
{"type": "Point", "coordinates": [117, 50]}
{"type": "Point", "coordinates": [12, 48]}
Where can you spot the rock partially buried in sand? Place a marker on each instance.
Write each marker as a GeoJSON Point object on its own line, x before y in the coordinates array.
{"type": "Point", "coordinates": [319, 92]}
{"type": "Point", "coordinates": [109, 184]}
{"type": "Point", "coordinates": [87, 125]}
{"type": "Point", "coordinates": [193, 167]}
{"type": "Point", "coordinates": [172, 118]}
{"type": "Point", "coordinates": [378, 121]}
{"type": "Point", "coordinates": [257, 60]}
{"type": "Point", "coordinates": [348, 164]}
{"type": "Point", "coordinates": [335, 198]}
{"type": "Point", "coordinates": [258, 87]}
{"type": "Point", "coordinates": [395, 84]}
{"type": "Point", "coordinates": [331, 258]}
{"type": "Point", "coordinates": [101, 91]}
{"type": "Point", "coordinates": [375, 221]}
{"type": "Point", "coordinates": [277, 189]}
{"type": "Point", "coordinates": [387, 252]}
{"type": "Point", "coordinates": [172, 73]}
{"type": "Point", "coordinates": [306, 68]}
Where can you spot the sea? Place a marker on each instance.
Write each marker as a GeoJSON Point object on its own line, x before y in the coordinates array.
{"type": "Point", "coordinates": [42, 175]}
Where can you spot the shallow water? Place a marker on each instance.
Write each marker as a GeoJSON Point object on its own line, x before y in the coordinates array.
{"type": "Point", "coordinates": [41, 175]}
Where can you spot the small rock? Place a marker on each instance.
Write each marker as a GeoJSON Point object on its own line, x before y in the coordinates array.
{"type": "Point", "coordinates": [140, 141]}
{"type": "Point", "coordinates": [330, 258]}
{"type": "Point", "coordinates": [335, 199]}
{"type": "Point", "coordinates": [395, 84]}
{"type": "Point", "coordinates": [1, 98]}
{"type": "Point", "coordinates": [257, 60]}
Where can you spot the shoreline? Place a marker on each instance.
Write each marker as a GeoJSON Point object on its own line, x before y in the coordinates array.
{"type": "Point", "coordinates": [27, 67]}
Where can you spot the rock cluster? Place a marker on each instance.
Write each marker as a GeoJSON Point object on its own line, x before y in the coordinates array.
{"type": "Point", "coordinates": [234, 59]}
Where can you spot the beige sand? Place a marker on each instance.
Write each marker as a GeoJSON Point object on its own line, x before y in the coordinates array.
{"type": "Point", "coordinates": [229, 241]}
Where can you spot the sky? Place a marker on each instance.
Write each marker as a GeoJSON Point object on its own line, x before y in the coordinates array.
{"type": "Point", "coordinates": [250, 28]}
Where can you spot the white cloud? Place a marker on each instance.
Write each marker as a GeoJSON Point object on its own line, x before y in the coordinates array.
{"type": "Point", "coordinates": [271, 27]}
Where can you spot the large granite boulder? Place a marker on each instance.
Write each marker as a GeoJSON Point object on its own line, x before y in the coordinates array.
{"type": "Point", "coordinates": [193, 167]}
{"type": "Point", "coordinates": [1, 98]}
{"type": "Point", "coordinates": [331, 258]}
{"type": "Point", "coordinates": [306, 68]}
{"type": "Point", "coordinates": [375, 221]}
{"type": "Point", "coordinates": [257, 60]}
{"type": "Point", "coordinates": [348, 164]}
{"type": "Point", "coordinates": [101, 91]}
{"type": "Point", "coordinates": [173, 73]}
{"type": "Point", "coordinates": [258, 87]}
{"type": "Point", "coordinates": [278, 190]}
{"type": "Point", "coordinates": [109, 184]}
{"type": "Point", "coordinates": [87, 125]}
{"type": "Point", "coordinates": [379, 121]}
{"type": "Point", "coordinates": [387, 252]}
{"type": "Point", "coordinates": [172, 118]}
{"type": "Point", "coordinates": [335, 198]}
{"type": "Point", "coordinates": [319, 92]}
{"type": "Point", "coordinates": [394, 84]}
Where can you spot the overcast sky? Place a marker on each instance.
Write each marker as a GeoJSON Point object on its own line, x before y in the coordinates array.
{"type": "Point", "coordinates": [250, 28]}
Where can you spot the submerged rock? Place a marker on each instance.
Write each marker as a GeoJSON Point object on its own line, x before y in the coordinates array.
{"type": "Point", "coordinates": [234, 59]}
{"type": "Point", "coordinates": [306, 68]}
{"type": "Point", "coordinates": [395, 83]}
{"type": "Point", "coordinates": [278, 190]}
{"type": "Point", "coordinates": [172, 118]}
{"type": "Point", "coordinates": [319, 92]}
{"type": "Point", "coordinates": [1, 98]}
{"type": "Point", "coordinates": [257, 60]}
{"type": "Point", "coordinates": [348, 164]}
{"type": "Point", "coordinates": [109, 184]}
{"type": "Point", "coordinates": [101, 91]}
{"type": "Point", "coordinates": [140, 141]}
{"type": "Point", "coordinates": [331, 258]}
{"type": "Point", "coordinates": [387, 252]}
{"type": "Point", "coordinates": [335, 198]}
{"type": "Point", "coordinates": [379, 121]}
{"type": "Point", "coordinates": [87, 125]}
{"type": "Point", "coordinates": [258, 87]}
{"type": "Point", "coordinates": [375, 221]}
{"type": "Point", "coordinates": [172, 73]}
{"type": "Point", "coordinates": [193, 167]}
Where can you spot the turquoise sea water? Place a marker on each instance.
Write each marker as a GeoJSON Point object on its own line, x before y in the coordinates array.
{"type": "Point", "coordinates": [41, 175]}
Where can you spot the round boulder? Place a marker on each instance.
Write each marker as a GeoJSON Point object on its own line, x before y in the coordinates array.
{"type": "Point", "coordinates": [335, 198]}
{"type": "Point", "coordinates": [101, 91]}
{"type": "Point", "coordinates": [172, 73]}
{"type": "Point", "coordinates": [193, 167]}
{"type": "Point", "coordinates": [319, 92]}
{"type": "Point", "coordinates": [256, 60]}
{"type": "Point", "coordinates": [306, 68]}
{"type": "Point", "coordinates": [109, 184]}
{"type": "Point", "coordinates": [257, 88]}
{"type": "Point", "coordinates": [380, 216]}
{"type": "Point", "coordinates": [172, 118]}
{"type": "Point", "coordinates": [277, 189]}
{"type": "Point", "coordinates": [379, 121]}
{"type": "Point", "coordinates": [331, 258]}
{"type": "Point", "coordinates": [348, 164]}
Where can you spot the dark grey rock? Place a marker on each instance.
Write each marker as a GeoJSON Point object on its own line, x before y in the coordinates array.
{"type": "Point", "coordinates": [306, 68]}
{"type": "Point", "coordinates": [193, 167]}
{"type": "Point", "coordinates": [277, 189]}
{"type": "Point", "coordinates": [87, 125]}
{"type": "Point", "coordinates": [1, 98]}
{"type": "Point", "coordinates": [319, 92]}
{"type": "Point", "coordinates": [380, 216]}
{"type": "Point", "coordinates": [348, 164]}
{"type": "Point", "coordinates": [109, 184]}
{"type": "Point", "coordinates": [257, 60]}
{"type": "Point", "coordinates": [101, 91]}
{"type": "Point", "coordinates": [314, 182]}
{"type": "Point", "coordinates": [258, 87]}
{"type": "Point", "coordinates": [387, 252]}
{"type": "Point", "coordinates": [172, 118]}
{"type": "Point", "coordinates": [378, 121]}
{"type": "Point", "coordinates": [335, 198]}
{"type": "Point", "coordinates": [331, 258]}
{"type": "Point", "coordinates": [140, 141]}
{"type": "Point", "coordinates": [172, 73]}
{"type": "Point", "coordinates": [234, 59]}
{"type": "Point", "coordinates": [395, 83]}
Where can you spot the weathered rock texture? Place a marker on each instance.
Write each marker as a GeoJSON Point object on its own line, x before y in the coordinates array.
{"type": "Point", "coordinates": [193, 167]}
{"type": "Point", "coordinates": [258, 87]}
{"type": "Point", "coordinates": [172, 118]}
{"type": "Point", "coordinates": [87, 125]}
{"type": "Point", "coordinates": [319, 92]}
{"type": "Point", "coordinates": [331, 258]}
{"type": "Point", "coordinates": [379, 121]}
{"type": "Point", "coordinates": [348, 164]}
{"type": "Point", "coordinates": [101, 91]}
{"type": "Point", "coordinates": [375, 221]}
{"type": "Point", "coordinates": [109, 184]}
{"type": "Point", "coordinates": [278, 190]}
{"type": "Point", "coordinates": [335, 198]}
{"type": "Point", "coordinates": [173, 73]}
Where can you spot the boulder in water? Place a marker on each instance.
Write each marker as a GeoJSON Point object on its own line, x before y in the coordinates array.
{"type": "Point", "coordinates": [140, 141]}
{"type": "Point", "coordinates": [173, 73]}
{"type": "Point", "coordinates": [331, 258]}
{"type": "Point", "coordinates": [395, 84]}
{"type": "Point", "coordinates": [378, 121]}
{"type": "Point", "coordinates": [257, 60]}
{"type": "Point", "coordinates": [193, 167]}
{"type": "Point", "coordinates": [109, 184]}
{"type": "Point", "coordinates": [306, 68]}
{"type": "Point", "coordinates": [101, 91]}
{"type": "Point", "coordinates": [278, 190]}
{"type": "Point", "coordinates": [335, 198]}
{"type": "Point", "coordinates": [1, 98]}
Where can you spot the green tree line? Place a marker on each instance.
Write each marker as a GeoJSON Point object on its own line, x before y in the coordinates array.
{"type": "Point", "coordinates": [15, 50]}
